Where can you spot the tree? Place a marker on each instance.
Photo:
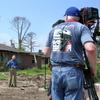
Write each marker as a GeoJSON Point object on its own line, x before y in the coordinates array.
{"type": "Point", "coordinates": [29, 41]}
{"type": "Point", "coordinates": [12, 43]}
{"type": "Point", "coordinates": [21, 26]}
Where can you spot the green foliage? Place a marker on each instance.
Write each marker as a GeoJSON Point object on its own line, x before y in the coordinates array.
{"type": "Point", "coordinates": [31, 71]}
{"type": "Point", "coordinates": [98, 73]}
{"type": "Point", "coordinates": [40, 71]}
{"type": "Point", "coordinates": [35, 71]}
{"type": "Point", "coordinates": [22, 49]}
{"type": "Point", "coordinates": [3, 76]}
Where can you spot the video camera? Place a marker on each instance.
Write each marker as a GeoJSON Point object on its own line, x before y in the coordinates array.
{"type": "Point", "coordinates": [90, 17]}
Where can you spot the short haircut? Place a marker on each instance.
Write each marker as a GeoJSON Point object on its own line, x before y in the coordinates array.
{"type": "Point", "coordinates": [58, 22]}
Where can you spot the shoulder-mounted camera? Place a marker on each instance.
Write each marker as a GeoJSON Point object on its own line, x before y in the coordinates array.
{"type": "Point", "coordinates": [90, 17]}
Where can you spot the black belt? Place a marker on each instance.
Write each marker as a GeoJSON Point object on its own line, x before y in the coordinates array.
{"type": "Point", "coordinates": [78, 65]}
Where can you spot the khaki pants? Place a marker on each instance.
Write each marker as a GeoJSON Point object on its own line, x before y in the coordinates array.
{"type": "Point", "coordinates": [12, 78]}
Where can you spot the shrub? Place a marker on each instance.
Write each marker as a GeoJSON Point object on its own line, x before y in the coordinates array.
{"type": "Point", "coordinates": [98, 73]}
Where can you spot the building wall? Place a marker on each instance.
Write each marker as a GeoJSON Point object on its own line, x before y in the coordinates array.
{"type": "Point", "coordinates": [25, 60]}
{"type": "Point", "coordinates": [4, 57]}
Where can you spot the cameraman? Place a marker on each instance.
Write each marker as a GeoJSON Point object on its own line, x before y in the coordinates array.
{"type": "Point", "coordinates": [65, 48]}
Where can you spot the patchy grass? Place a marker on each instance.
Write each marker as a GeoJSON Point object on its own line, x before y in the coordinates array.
{"type": "Point", "coordinates": [3, 76]}
{"type": "Point", "coordinates": [35, 71]}
{"type": "Point", "coordinates": [98, 73]}
{"type": "Point", "coordinates": [41, 71]}
{"type": "Point", "coordinates": [31, 71]}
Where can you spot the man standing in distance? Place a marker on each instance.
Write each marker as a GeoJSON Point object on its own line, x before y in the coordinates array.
{"type": "Point", "coordinates": [12, 64]}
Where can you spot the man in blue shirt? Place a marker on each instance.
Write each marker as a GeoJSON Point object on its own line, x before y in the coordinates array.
{"type": "Point", "coordinates": [65, 48]}
{"type": "Point", "coordinates": [12, 64]}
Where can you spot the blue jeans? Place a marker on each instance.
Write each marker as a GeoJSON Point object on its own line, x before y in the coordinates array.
{"type": "Point", "coordinates": [67, 83]}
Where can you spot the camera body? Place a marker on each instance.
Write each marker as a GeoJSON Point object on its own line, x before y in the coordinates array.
{"type": "Point", "coordinates": [90, 17]}
{"type": "Point", "coordinates": [89, 13]}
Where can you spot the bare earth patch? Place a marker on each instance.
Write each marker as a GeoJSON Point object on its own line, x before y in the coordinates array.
{"type": "Point", "coordinates": [28, 88]}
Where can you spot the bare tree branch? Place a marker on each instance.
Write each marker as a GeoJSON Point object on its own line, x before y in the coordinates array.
{"type": "Point", "coordinates": [21, 25]}
{"type": "Point", "coordinates": [29, 41]}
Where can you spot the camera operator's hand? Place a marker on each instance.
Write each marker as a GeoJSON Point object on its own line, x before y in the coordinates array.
{"type": "Point", "coordinates": [49, 97]}
{"type": "Point", "coordinates": [93, 71]}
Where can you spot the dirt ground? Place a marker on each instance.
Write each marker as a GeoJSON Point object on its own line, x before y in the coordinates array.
{"type": "Point", "coordinates": [28, 88]}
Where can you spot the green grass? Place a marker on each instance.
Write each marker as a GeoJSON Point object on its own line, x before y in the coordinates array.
{"type": "Point", "coordinates": [30, 71]}
{"type": "Point", "coordinates": [3, 76]}
{"type": "Point", "coordinates": [41, 71]}
{"type": "Point", "coordinates": [34, 71]}
{"type": "Point", "coordinates": [98, 59]}
{"type": "Point", "coordinates": [98, 73]}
